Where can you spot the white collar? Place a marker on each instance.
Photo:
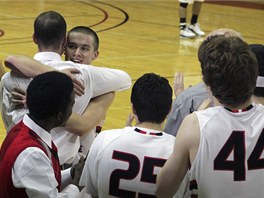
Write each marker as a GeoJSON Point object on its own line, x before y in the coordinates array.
{"type": "Point", "coordinates": [42, 133]}
{"type": "Point", "coordinates": [47, 55]}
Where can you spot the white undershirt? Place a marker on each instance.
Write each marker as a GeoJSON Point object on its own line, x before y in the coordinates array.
{"type": "Point", "coordinates": [33, 170]}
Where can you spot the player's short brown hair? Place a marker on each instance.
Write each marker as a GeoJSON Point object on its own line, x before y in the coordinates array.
{"type": "Point", "coordinates": [229, 68]}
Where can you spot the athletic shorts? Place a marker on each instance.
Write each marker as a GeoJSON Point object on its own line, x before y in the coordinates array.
{"type": "Point", "coordinates": [190, 1]}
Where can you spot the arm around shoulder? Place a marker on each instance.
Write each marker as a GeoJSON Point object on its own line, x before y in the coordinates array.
{"type": "Point", "coordinates": [105, 80]}
{"type": "Point", "coordinates": [93, 115]}
{"type": "Point", "coordinates": [26, 66]}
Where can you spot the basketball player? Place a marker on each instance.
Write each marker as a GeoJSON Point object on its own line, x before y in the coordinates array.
{"type": "Point", "coordinates": [29, 163]}
{"type": "Point", "coordinates": [190, 99]}
{"type": "Point", "coordinates": [82, 47]}
{"type": "Point", "coordinates": [125, 162]}
{"type": "Point", "coordinates": [194, 28]}
{"type": "Point", "coordinates": [97, 81]}
{"type": "Point", "coordinates": [221, 145]}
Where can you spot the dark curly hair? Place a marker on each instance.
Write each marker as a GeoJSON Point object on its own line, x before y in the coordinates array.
{"type": "Point", "coordinates": [152, 98]}
{"type": "Point", "coordinates": [229, 68]}
{"type": "Point", "coordinates": [48, 94]}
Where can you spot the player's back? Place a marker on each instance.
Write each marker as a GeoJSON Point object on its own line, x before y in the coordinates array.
{"type": "Point", "coordinates": [229, 161]}
{"type": "Point", "coordinates": [129, 164]}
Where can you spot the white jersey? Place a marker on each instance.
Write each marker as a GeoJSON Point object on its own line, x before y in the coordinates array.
{"type": "Point", "coordinates": [125, 162]}
{"type": "Point", "coordinates": [96, 80]}
{"type": "Point", "coordinates": [230, 159]}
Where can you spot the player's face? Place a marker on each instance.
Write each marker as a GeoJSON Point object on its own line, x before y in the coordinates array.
{"type": "Point", "coordinates": [80, 48]}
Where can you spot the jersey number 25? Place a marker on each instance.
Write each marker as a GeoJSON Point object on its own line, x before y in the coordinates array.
{"type": "Point", "coordinates": [133, 161]}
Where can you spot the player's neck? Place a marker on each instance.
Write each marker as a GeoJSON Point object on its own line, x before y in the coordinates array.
{"type": "Point", "coordinates": [150, 125]}
{"type": "Point", "coordinates": [243, 106]}
{"type": "Point", "coordinates": [258, 100]}
{"type": "Point", "coordinates": [50, 49]}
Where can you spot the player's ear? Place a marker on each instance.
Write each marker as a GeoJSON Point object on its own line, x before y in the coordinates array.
{"type": "Point", "coordinates": [208, 88]}
{"type": "Point", "coordinates": [34, 38]}
{"type": "Point", "coordinates": [64, 43]}
{"type": "Point", "coordinates": [133, 109]}
{"type": "Point", "coordinates": [96, 54]}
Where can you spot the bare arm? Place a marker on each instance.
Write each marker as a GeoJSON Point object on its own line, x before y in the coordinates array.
{"type": "Point", "coordinates": [29, 67]}
{"type": "Point", "coordinates": [171, 175]}
{"type": "Point", "coordinates": [77, 124]}
{"type": "Point", "coordinates": [26, 66]}
{"type": "Point", "coordinates": [93, 115]}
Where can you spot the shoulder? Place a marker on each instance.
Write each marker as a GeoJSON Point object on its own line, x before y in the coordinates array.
{"type": "Point", "coordinates": [189, 129]}
{"type": "Point", "coordinates": [11, 79]}
{"type": "Point", "coordinates": [168, 136]}
{"type": "Point", "coordinates": [61, 64]}
{"type": "Point", "coordinates": [107, 136]}
{"type": "Point", "coordinates": [6, 75]}
{"type": "Point", "coordinates": [113, 132]}
{"type": "Point", "coordinates": [30, 156]}
{"type": "Point", "coordinates": [209, 112]}
{"type": "Point", "coordinates": [259, 107]}
{"type": "Point", "coordinates": [33, 152]}
{"type": "Point", "coordinates": [191, 118]}
{"type": "Point", "coordinates": [188, 136]}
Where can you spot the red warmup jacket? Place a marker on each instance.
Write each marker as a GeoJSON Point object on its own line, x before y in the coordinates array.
{"type": "Point", "coordinates": [18, 139]}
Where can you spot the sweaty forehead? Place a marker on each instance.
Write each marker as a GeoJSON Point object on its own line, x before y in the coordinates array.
{"type": "Point", "coordinates": [80, 38]}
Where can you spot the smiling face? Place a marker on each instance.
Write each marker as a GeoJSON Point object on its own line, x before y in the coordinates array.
{"type": "Point", "coordinates": [80, 48]}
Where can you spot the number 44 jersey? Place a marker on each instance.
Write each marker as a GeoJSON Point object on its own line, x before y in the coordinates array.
{"type": "Point", "coordinates": [125, 162]}
{"type": "Point", "coordinates": [230, 159]}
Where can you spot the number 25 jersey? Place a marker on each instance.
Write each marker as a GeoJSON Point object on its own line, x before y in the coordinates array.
{"type": "Point", "coordinates": [125, 162]}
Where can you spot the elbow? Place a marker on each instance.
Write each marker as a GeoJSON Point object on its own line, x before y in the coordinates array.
{"type": "Point", "coordinates": [79, 133]}
{"type": "Point", "coordinates": [126, 82]}
{"type": "Point", "coordinates": [83, 131]}
{"type": "Point", "coordinates": [9, 61]}
{"type": "Point", "coordinates": [129, 81]}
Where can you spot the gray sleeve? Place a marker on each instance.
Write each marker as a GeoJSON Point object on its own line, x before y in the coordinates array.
{"type": "Point", "coordinates": [187, 102]}
{"type": "Point", "coordinates": [178, 112]}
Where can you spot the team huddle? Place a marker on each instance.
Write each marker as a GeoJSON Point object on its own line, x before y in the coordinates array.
{"type": "Point", "coordinates": [206, 143]}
